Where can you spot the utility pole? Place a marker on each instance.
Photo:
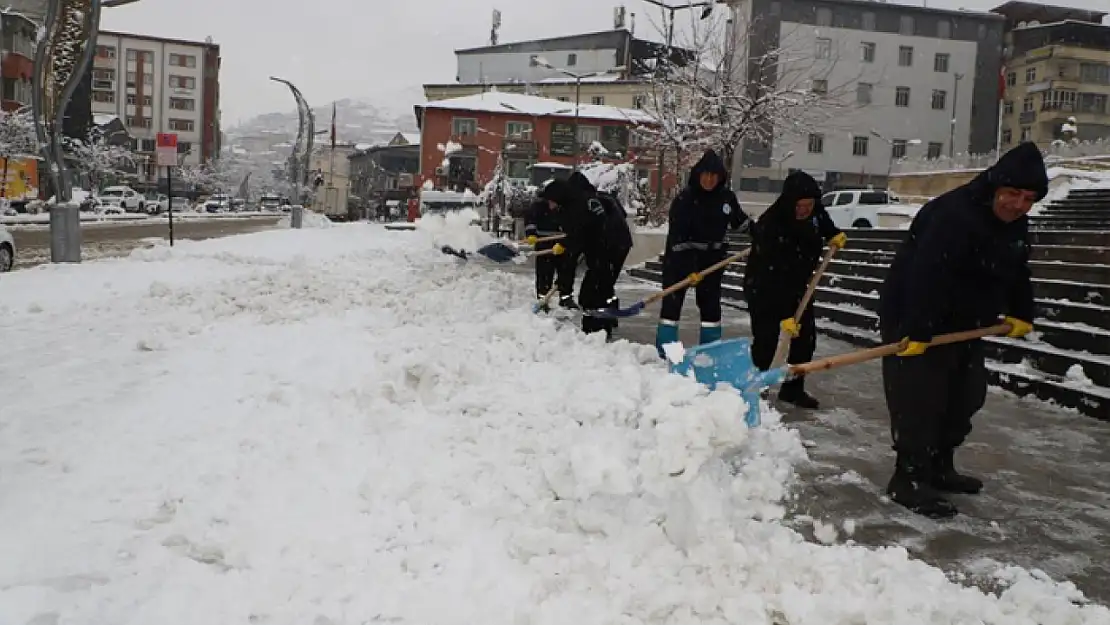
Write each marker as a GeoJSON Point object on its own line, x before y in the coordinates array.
{"type": "Point", "coordinates": [952, 125]}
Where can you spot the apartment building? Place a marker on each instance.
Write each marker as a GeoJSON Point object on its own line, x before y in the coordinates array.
{"type": "Point", "coordinates": [1057, 70]}
{"type": "Point", "coordinates": [17, 65]}
{"type": "Point", "coordinates": [158, 85]}
{"type": "Point", "coordinates": [614, 67]}
{"type": "Point", "coordinates": [902, 81]}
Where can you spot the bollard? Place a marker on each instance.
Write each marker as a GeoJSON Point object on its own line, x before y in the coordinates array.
{"type": "Point", "coordinates": [296, 216]}
{"type": "Point", "coordinates": [65, 233]}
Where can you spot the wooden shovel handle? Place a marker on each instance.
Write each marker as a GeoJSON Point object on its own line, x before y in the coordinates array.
{"type": "Point", "coordinates": [682, 284]}
{"type": "Point", "coordinates": [555, 237]}
{"type": "Point", "coordinates": [855, 358]}
{"type": "Point", "coordinates": [784, 339]}
{"type": "Point", "coordinates": [544, 253]}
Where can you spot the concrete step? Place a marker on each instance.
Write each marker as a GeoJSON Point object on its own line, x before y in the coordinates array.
{"type": "Point", "coordinates": [891, 238]}
{"type": "Point", "coordinates": [1053, 270]}
{"type": "Point", "coordinates": [1023, 367]}
{"type": "Point", "coordinates": [1083, 255]}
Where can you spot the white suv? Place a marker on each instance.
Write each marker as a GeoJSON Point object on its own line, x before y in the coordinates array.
{"type": "Point", "coordinates": [124, 197]}
{"type": "Point", "coordinates": [7, 250]}
{"type": "Point", "coordinates": [857, 208]}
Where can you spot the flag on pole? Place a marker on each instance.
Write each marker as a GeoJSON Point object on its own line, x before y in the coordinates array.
{"type": "Point", "coordinates": [1002, 83]}
{"type": "Point", "coordinates": [333, 125]}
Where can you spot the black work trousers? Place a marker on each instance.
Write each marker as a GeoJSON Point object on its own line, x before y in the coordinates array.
{"type": "Point", "coordinates": [547, 267]}
{"type": "Point", "coordinates": [603, 268]}
{"type": "Point", "coordinates": [766, 328]}
{"type": "Point", "coordinates": [677, 266]}
{"type": "Point", "coordinates": [932, 397]}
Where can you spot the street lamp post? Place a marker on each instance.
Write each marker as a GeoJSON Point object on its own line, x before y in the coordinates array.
{"type": "Point", "coordinates": [670, 10]}
{"type": "Point", "coordinates": [541, 62]}
{"type": "Point", "coordinates": [890, 142]}
{"type": "Point", "coordinates": [952, 125]}
{"type": "Point", "coordinates": [302, 147]}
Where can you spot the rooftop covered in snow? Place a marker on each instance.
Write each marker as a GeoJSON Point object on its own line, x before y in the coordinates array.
{"type": "Point", "coordinates": [534, 106]}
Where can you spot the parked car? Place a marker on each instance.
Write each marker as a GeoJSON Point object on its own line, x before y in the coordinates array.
{"type": "Point", "coordinates": [7, 250]}
{"type": "Point", "coordinates": [179, 204]}
{"type": "Point", "coordinates": [218, 204]}
{"type": "Point", "coordinates": [857, 208]}
{"type": "Point", "coordinates": [126, 198]}
{"type": "Point", "coordinates": [271, 203]}
{"type": "Point", "coordinates": [238, 205]}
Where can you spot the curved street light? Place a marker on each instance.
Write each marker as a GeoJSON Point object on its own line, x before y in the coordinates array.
{"type": "Point", "coordinates": [302, 147]}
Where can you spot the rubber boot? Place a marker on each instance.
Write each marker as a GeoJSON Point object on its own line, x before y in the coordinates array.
{"type": "Point", "coordinates": [666, 332]}
{"type": "Point", "coordinates": [911, 487]}
{"type": "Point", "coordinates": [948, 480]}
{"type": "Point", "coordinates": [710, 333]}
{"type": "Point", "coordinates": [794, 392]}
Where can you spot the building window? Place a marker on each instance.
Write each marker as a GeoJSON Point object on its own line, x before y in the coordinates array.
{"type": "Point", "coordinates": [1007, 136]}
{"type": "Point", "coordinates": [1026, 133]}
{"type": "Point", "coordinates": [464, 127]}
{"type": "Point", "coordinates": [868, 20]}
{"type": "Point", "coordinates": [867, 52]}
{"type": "Point", "coordinates": [146, 56]}
{"type": "Point", "coordinates": [183, 82]}
{"type": "Point", "coordinates": [1093, 103]}
{"type": "Point", "coordinates": [940, 99]}
{"type": "Point", "coordinates": [824, 16]}
{"type": "Point", "coordinates": [183, 60]}
{"type": "Point", "coordinates": [105, 97]}
{"type": "Point", "coordinates": [816, 143]}
{"type": "Point", "coordinates": [572, 59]}
{"type": "Point", "coordinates": [1007, 108]}
{"type": "Point", "coordinates": [902, 97]}
{"type": "Point", "coordinates": [519, 130]}
{"type": "Point", "coordinates": [905, 56]}
{"type": "Point", "coordinates": [940, 62]}
{"type": "Point", "coordinates": [824, 48]}
{"type": "Point", "coordinates": [598, 100]}
{"type": "Point", "coordinates": [184, 125]}
{"type": "Point", "coordinates": [820, 87]}
{"type": "Point", "coordinates": [517, 169]}
{"type": "Point", "coordinates": [898, 148]}
{"type": "Point", "coordinates": [859, 146]}
{"type": "Point", "coordinates": [140, 122]}
{"type": "Point", "coordinates": [1011, 79]}
{"type": "Point", "coordinates": [148, 145]}
{"type": "Point", "coordinates": [935, 150]}
{"type": "Point", "coordinates": [105, 52]}
{"type": "Point", "coordinates": [183, 104]}
{"type": "Point", "coordinates": [944, 29]}
{"type": "Point", "coordinates": [863, 93]}
{"type": "Point", "coordinates": [133, 100]}
{"type": "Point", "coordinates": [1060, 100]}
{"type": "Point", "coordinates": [104, 74]}
{"type": "Point", "coordinates": [184, 147]}
{"type": "Point", "coordinates": [1031, 74]}
{"type": "Point", "coordinates": [1097, 73]}
{"type": "Point", "coordinates": [587, 135]}
{"type": "Point", "coordinates": [906, 25]}
{"type": "Point", "coordinates": [639, 101]}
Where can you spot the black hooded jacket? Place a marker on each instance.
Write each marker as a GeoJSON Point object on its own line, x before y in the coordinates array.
{"type": "Point", "coordinates": [541, 221]}
{"type": "Point", "coordinates": [617, 232]}
{"type": "Point", "coordinates": [584, 218]}
{"type": "Point", "coordinates": [786, 250]}
{"type": "Point", "coordinates": [961, 267]}
{"type": "Point", "coordinates": [700, 219]}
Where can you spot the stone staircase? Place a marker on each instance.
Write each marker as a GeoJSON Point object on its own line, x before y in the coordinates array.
{"type": "Point", "coordinates": [1071, 269]}
{"type": "Point", "coordinates": [1082, 209]}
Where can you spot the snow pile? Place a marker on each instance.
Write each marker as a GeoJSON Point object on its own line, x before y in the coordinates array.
{"type": "Point", "coordinates": [346, 426]}
{"type": "Point", "coordinates": [457, 229]}
{"type": "Point", "coordinates": [309, 219]}
{"type": "Point", "coordinates": [1063, 180]}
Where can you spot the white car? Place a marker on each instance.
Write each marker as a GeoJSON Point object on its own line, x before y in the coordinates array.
{"type": "Point", "coordinates": [125, 198]}
{"type": "Point", "coordinates": [218, 204]}
{"type": "Point", "coordinates": [7, 250]}
{"type": "Point", "coordinates": [179, 204]}
{"type": "Point", "coordinates": [856, 208]}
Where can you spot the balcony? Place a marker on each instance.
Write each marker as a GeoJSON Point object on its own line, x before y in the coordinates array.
{"type": "Point", "coordinates": [1061, 114]}
{"type": "Point", "coordinates": [1027, 117]}
{"type": "Point", "coordinates": [104, 61]}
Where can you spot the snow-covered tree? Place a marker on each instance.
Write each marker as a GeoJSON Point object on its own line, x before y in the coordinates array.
{"type": "Point", "coordinates": [232, 171]}
{"type": "Point", "coordinates": [17, 140]}
{"type": "Point", "coordinates": [505, 196]}
{"type": "Point", "coordinates": [96, 159]}
{"type": "Point", "coordinates": [735, 88]}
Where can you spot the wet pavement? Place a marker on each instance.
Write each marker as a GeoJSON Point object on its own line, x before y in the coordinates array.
{"type": "Point", "coordinates": [1046, 504]}
{"type": "Point", "coordinates": [112, 239]}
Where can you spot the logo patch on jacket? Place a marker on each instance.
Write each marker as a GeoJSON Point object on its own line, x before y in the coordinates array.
{"type": "Point", "coordinates": [596, 207]}
{"type": "Point", "coordinates": [726, 209]}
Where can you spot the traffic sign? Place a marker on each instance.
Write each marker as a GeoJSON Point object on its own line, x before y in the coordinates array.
{"type": "Point", "coordinates": [166, 152]}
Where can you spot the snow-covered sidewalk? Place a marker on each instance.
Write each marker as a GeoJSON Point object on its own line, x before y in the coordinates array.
{"type": "Point", "coordinates": [345, 426]}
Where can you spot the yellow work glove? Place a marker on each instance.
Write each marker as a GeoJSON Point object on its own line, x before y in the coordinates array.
{"type": "Point", "coordinates": [694, 278]}
{"type": "Point", "coordinates": [839, 241]}
{"type": "Point", "coordinates": [790, 327]}
{"type": "Point", "coordinates": [558, 249]}
{"type": "Point", "coordinates": [1018, 327]}
{"type": "Point", "coordinates": [531, 240]}
{"type": "Point", "coordinates": [913, 348]}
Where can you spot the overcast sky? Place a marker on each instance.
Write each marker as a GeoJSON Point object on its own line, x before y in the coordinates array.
{"type": "Point", "coordinates": [334, 49]}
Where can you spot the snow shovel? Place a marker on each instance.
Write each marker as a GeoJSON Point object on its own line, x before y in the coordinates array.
{"type": "Point", "coordinates": [498, 252]}
{"type": "Point", "coordinates": [544, 305]}
{"type": "Point", "coordinates": [638, 307]}
{"type": "Point", "coordinates": [554, 237]}
{"type": "Point", "coordinates": [730, 362]}
{"type": "Point", "coordinates": [784, 337]}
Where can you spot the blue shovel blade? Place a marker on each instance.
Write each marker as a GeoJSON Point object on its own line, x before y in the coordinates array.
{"type": "Point", "coordinates": [498, 252]}
{"type": "Point", "coordinates": [729, 362]}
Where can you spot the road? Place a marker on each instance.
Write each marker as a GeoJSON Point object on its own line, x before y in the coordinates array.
{"type": "Point", "coordinates": [1045, 506]}
{"type": "Point", "coordinates": [108, 239]}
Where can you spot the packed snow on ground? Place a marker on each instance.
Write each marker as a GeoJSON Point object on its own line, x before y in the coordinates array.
{"type": "Point", "coordinates": [346, 426]}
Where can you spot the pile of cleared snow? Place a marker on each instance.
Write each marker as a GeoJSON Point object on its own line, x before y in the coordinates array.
{"type": "Point", "coordinates": [457, 229]}
{"type": "Point", "coordinates": [346, 426]}
{"type": "Point", "coordinates": [309, 219]}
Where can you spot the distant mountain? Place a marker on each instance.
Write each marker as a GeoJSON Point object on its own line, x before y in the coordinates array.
{"type": "Point", "coordinates": [358, 120]}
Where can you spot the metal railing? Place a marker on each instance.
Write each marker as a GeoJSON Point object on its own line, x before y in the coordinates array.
{"type": "Point", "coordinates": [1057, 153]}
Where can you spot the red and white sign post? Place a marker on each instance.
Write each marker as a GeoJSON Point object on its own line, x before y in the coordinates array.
{"type": "Point", "coordinates": [165, 155]}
